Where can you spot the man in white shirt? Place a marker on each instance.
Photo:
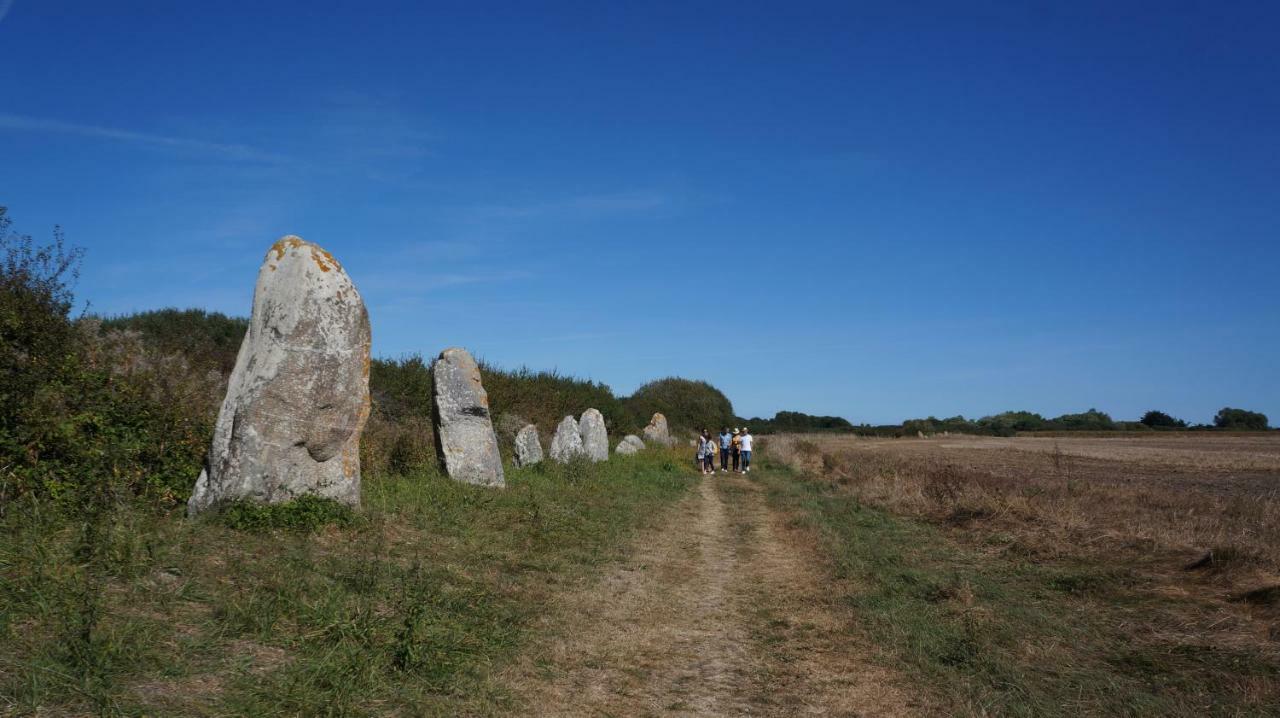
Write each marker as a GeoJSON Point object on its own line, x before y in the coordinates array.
{"type": "Point", "coordinates": [745, 439]}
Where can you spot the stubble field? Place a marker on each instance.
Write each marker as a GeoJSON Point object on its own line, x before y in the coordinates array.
{"type": "Point", "coordinates": [1131, 575]}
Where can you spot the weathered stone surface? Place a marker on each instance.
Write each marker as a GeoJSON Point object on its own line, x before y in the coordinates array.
{"type": "Point", "coordinates": [567, 442]}
{"type": "Point", "coordinates": [464, 431]}
{"type": "Point", "coordinates": [630, 444]}
{"type": "Point", "coordinates": [528, 447]}
{"type": "Point", "coordinates": [298, 397]}
{"type": "Point", "coordinates": [595, 437]}
{"type": "Point", "coordinates": [656, 432]}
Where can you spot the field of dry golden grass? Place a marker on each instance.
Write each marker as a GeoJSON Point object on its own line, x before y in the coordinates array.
{"type": "Point", "coordinates": [1125, 575]}
{"type": "Point", "coordinates": [1172, 497]}
{"type": "Point", "coordinates": [1199, 514]}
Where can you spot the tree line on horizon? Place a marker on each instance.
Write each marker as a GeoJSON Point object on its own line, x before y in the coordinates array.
{"type": "Point", "coordinates": [1008, 423]}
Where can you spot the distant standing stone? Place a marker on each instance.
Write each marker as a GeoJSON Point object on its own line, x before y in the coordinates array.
{"type": "Point", "coordinates": [656, 432]}
{"type": "Point", "coordinates": [630, 444]}
{"type": "Point", "coordinates": [595, 438]}
{"type": "Point", "coordinates": [464, 431]}
{"type": "Point", "coordinates": [567, 442]}
{"type": "Point", "coordinates": [528, 446]}
{"type": "Point", "coordinates": [298, 397]}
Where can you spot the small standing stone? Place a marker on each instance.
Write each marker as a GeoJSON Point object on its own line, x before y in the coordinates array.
{"type": "Point", "coordinates": [595, 438]}
{"type": "Point", "coordinates": [630, 444]}
{"type": "Point", "coordinates": [656, 432]}
{"type": "Point", "coordinates": [528, 447]}
{"type": "Point", "coordinates": [464, 431]}
{"type": "Point", "coordinates": [567, 441]}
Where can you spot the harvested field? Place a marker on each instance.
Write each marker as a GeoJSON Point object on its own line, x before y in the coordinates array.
{"type": "Point", "coordinates": [1174, 495]}
{"type": "Point", "coordinates": [1161, 551]}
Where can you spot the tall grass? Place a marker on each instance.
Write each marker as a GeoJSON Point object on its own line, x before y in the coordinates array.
{"type": "Point", "coordinates": [409, 609]}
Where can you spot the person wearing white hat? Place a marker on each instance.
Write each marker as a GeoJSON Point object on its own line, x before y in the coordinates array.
{"type": "Point", "coordinates": [746, 440]}
{"type": "Point", "coordinates": [735, 447]}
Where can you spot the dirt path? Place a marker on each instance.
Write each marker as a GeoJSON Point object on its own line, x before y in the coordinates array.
{"type": "Point", "coordinates": [720, 612]}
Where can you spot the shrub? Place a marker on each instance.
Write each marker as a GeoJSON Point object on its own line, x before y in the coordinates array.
{"type": "Point", "coordinates": [83, 408]}
{"type": "Point", "coordinates": [1161, 420]}
{"type": "Point", "coordinates": [687, 404]}
{"type": "Point", "coordinates": [1011, 422]}
{"type": "Point", "coordinates": [546, 397]}
{"type": "Point", "coordinates": [1091, 420]}
{"type": "Point", "coordinates": [208, 338]}
{"type": "Point", "coordinates": [795, 421]}
{"type": "Point", "coordinates": [1240, 419]}
{"type": "Point", "coordinates": [933, 425]}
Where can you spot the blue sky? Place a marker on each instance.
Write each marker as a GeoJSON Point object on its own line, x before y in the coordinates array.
{"type": "Point", "coordinates": [874, 210]}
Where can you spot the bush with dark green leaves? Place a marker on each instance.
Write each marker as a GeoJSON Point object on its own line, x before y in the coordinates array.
{"type": "Point", "coordinates": [933, 425]}
{"type": "Point", "coordinates": [546, 397]}
{"type": "Point", "coordinates": [1240, 419]}
{"type": "Point", "coordinates": [83, 408]}
{"type": "Point", "coordinates": [1011, 422]}
{"type": "Point", "coordinates": [686, 403]}
{"type": "Point", "coordinates": [1161, 420]}
{"type": "Point", "coordinates": [796, 422]}
{"type": "Point", "coordinates": [1091, 420]}
{"type": "Point", "coordinates": [210, 338]}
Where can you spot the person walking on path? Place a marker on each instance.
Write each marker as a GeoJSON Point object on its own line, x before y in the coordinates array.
{"type": "Point", "coordinates": [736, 447]}
{"type": "Point", "coordinates": [707, 452]}
{"type": "Point", "coordinates": [697, 453]}
{"type": "Point", "coordinates": [746, 440]}
{"type": "Point", "coordinates": [726, 441]}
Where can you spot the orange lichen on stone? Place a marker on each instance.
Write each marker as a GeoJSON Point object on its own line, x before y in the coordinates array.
{"type": "Point", "coordinates": [284, 245]}
{"type": "Point", "coordinates": [323, 259]}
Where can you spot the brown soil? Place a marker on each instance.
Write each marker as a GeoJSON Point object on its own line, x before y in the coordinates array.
{"type": "Point", "coordinates": [720, 612]}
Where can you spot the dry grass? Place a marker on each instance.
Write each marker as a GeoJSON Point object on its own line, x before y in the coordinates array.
{"type": "Point", "coordinates": [1197, 517]}
{"type": "Point", "coordinates": [721, 611]}
{"type": "Point", "coordinates": [1173, 499]}
{"type": "Point", "coordinates": [973, 551]}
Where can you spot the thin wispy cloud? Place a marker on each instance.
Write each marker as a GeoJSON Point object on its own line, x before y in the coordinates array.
{"type": "Point", "coordinates": [230, 151]}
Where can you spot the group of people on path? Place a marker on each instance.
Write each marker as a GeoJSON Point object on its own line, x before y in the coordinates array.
{"type": "Point", "coordinates": [734, 449]}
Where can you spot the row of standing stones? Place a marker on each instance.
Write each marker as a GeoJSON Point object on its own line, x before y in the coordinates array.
{"type": "Point", "coordinates": [298, 398]}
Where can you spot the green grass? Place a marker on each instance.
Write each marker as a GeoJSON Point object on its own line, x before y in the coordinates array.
{"type": "Point", "coordinates": [995, 634]}
{"type": "Point", "coordinates": [407, 607]}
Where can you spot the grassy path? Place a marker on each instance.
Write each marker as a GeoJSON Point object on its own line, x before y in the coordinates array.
{"type": "Point", "coordinates": [720, 611]}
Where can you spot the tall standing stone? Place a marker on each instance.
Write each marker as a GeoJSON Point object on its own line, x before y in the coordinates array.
{"type": "Point", "coordinates": [528, 447]}
{"type": "Point", "coordinates": [464, 431]}
{"type": "Point", "coordinates": [656, 432]}
{"type": "Point", "coordinates": [567, 441]}
{"type": "Point", "coordinates": [298, 397]}
{"type": "Point", "coordinates": [595, 437]}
